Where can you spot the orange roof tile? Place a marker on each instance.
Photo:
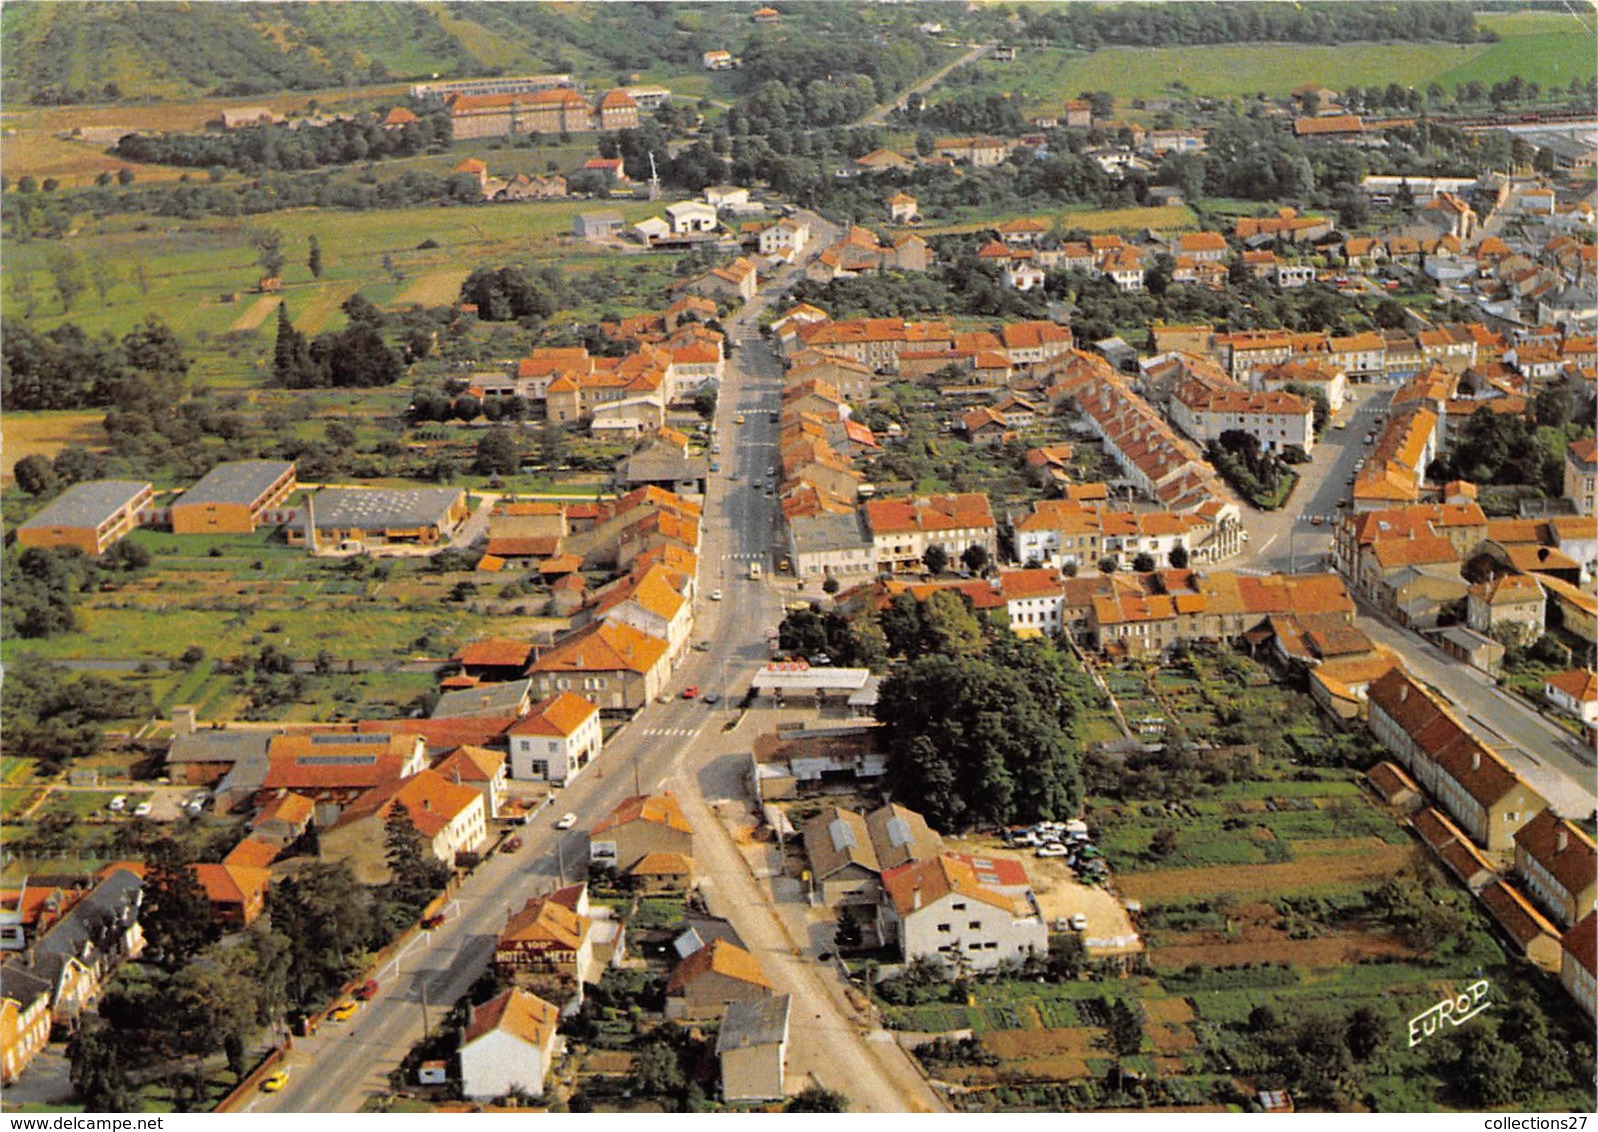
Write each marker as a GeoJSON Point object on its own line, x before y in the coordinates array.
{"type": "Point", "coordinates": [722, 958]}
{"type": "Point", "coordinates": [657, 809]}
{"type": "Point", "coordinates": [561, 714]}
{"type": "Point", "coordinates": [516, 1012]}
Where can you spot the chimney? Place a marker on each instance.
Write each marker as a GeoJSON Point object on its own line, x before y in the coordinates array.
{"type": "Point", "coordinates": [1475, 758]}
{"type": "Point", "coordinates": [1403, 693]}
{"type": "Point", "coordinates": [183, 720]}
{"type": "Point", "coordinates": [1561, 839]}
{"type": "Point", "coordinates": [915, 899]}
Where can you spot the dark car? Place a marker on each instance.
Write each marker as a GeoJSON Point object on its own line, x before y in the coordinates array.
{"type": "Point", "coordinates": [433, 922]}
{"type": "Point", "coordinates": [367, 990]}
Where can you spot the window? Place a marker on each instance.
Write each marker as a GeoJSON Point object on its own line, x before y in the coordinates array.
{"type": "Point", "coordinates": [973, 947]}
{"type": "Point", "coordinates": [554, 746]}
{"type": "Point", "coordinates": [943, 927]}
{"type": "Point", "coordinates": [975, 925]}
{"type": "Point", "coordinates": [992, 945]}
{"type": "Point", "coordinates": [958, 907]}
{"type": "Point", "coordinates": [540, 768]}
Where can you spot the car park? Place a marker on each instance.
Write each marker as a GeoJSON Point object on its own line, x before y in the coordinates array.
{"type": "Point", "coordinates": [566, 821]}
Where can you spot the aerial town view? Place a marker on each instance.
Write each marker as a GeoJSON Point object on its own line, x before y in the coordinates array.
{"type": "Point", "coordinates": [829, 557]}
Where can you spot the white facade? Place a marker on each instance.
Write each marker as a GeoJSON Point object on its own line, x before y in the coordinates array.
{"type": "Point", "coordinates": [539, 757]}
{"type": "Point", "coordinates": [970, 933]}
{"type": "Point", "coordinates": [786, 237]}
{"type": "Point", "coordinates": [691, 216]}
{"type": "Point", "coordinates": [464, 833]}
{"type": "Point", "coordinates": [498, 1062]}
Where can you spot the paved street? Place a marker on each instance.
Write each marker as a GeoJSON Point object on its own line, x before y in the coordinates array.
{"type": "Point", "coordinates": [680, 745]}
{"type": "Point", "coordinates": [1289, 539]}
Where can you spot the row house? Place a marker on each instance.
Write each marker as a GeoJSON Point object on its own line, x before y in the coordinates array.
{"type": "Point", "coordinates": [1244, 352]}
{"type": "Point", "coordinates": [1149, 614]}
{"type": "Point", "coordinates": [902, 530]}
{"type": "Point", "coordinates": [1330, 379]}
{"type": "Point", "coordinates": [1149, 453]}
{"type": "Point", "coordinates": [1578, 965]}
{"type": "Point", "coordinates": [1028, 602]}
{"type": "Point", "coordinates": [1463, 526]}
{"type": "Point", "coordinates": [1162, 374]}
{"type": "Point", "coordinates": [1395, 468]}
{"type": "Point", "coordinates": [562, 110]}
{"type": "Point", "coordinates": [1557, 864]}
{"type": "Point", "coordinates": [617, 667]}
{"type": "Point", "coordinates": [1471, 781]}
{"type": "Point", "coordinates": [451, 818]}
{"type": "Point", "coordinates": [876, 342]}
{"type": "Point", "coordinates": [849, 851]}
{"type": "Point", "coordinates": [1286, 225]}
{"type": "Point", "coordinates": [829, 544]}
{"type": "Point", "coordinates": [1581, 475]}
{"type": "Point", "coordinates": [852, 380]}
{"type": "Point", "coordinates": [1274, 419]}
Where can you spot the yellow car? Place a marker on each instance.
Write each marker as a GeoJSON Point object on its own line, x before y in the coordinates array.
{"type": "Point", "coordinates": [344, 1011]}
{"type": "Point", "coordinates": [275, 1082]}
{"type": "Point", "coordinates": [739, 419]}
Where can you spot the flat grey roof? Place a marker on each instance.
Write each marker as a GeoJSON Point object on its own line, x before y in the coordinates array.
{"type": "Point", "coordinates": [656, 464]}
{"type": "Point", "coordinates": [237, 481]}
{"type": "Point", "coordinates": [757, 1022]}
{"type": "Point", "coordinates": [818, 533]}
{"type": "Point", "coordinates": [799, 677]}
{"type": "Point", "coordinates": [87, 504]}
{"type": "Point", "coordinates": [482, 699]}
{"type": "Point", "coordinates": [366, 508]}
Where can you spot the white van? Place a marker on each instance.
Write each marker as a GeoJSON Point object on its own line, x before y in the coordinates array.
{"type": "Point", "coordinates": [754, 571]}
{"type": "Point", "coordinates": [118, 803]}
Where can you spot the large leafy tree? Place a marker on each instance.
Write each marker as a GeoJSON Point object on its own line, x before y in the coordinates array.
{"type": "Point", "coordinates": [984, 739]}
{"type": "Point", "coordinates": [176, 915]}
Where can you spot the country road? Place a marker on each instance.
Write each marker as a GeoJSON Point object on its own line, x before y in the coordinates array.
{"type": "Point", "coordinates": [880, 112]}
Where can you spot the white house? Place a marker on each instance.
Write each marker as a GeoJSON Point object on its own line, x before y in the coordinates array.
{"type": "Point", "coordinates": [1575, 693]}
{"type": "Point", "coordinates": [509, 1043]}
{"type": "Point", "coordinates": [726, 196]}
{"type": "Point", "coordinates": [784, 238]}
{"type": "Point", "coordinates": [651, 605]}
{"type": "Point", "coordinates": [556, 739]}
{"type": "Point", "coordinates": [971, 912]}
{"type": "Point", "coordinates": [1023, 275]}
{"type": "Point", "coordinates": [691, 216]}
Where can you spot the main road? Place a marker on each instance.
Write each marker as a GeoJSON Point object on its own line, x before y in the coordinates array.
{"type": "Point", "coordinates": [682, 745]}
{"type": "Point", "coordinates": [1299, 537]}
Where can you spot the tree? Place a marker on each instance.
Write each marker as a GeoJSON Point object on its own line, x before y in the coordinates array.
{"type": "Point", "coordinates": [1143, 563]}
{"type": "Point", "coordinates": [975, 558]}
{"type": "Point", "coordinates": [1179, 557]}
{"type": "Point", "coordinates": [103, 272]}
{"type": "Point", "coordinates": [97, 1071]}
{"type": "Point", "coordinates": [1488, 1071]}
{"type": "Point", "coordinates": [1366, 1033]}
{"type": "Point", "coordinates": [815, 1098]}
{"type": "Point", "coordinates": [176, 915]}
{"type": "Point", "coordinates": [1123, 1031]}
{"type": "Point", "coordinates": [552, 445]}
{"type": "Point", "coordinates": [313, 260]}
{"type": "Point", "coordinates": [497, 453]}
{"type": "Point", "coordinates": [936, 558]}
{"type": "Point", "coordinates": [830, 585]}
{"type": "Point", "coordinates": [291, 356]}
{"type": "Point", "coordinates": [949, 625]}
{"type": "Point", "coordinates": [416, 873]}
{"type": "Point", "coordinates": [268, 243]}
{"type": "Point", "coordinates": [655, 1070]}
{"type": "Point", "coordinates": [66, 273]}
{"type": "Point", "coordinates": [35, 475]}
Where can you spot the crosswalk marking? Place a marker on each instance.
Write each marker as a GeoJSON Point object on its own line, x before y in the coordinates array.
{"type": "Point", "coordinates": [661, 732]}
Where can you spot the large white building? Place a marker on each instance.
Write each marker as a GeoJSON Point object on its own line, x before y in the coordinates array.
{"type": "Point", "coordinates": [1274, 419]}
{"type": "Point", "coordinates": [556, 739]}
{"type": "Point", "coordinates": [971, 912]}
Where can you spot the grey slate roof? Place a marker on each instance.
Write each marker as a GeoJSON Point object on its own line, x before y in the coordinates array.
{"type": "Point", "coordinates": [21, 985]}
{"type": "Point", "coordinates": [483, 699]}
{"type": "Point", "coordinates": [238, 481]}
{"type": "Point", "coordinates": [757, 1022]}
{"type": "Point", "coordinates": [113, 902]}
{"type": "Point", "coordinates": [87, 504]}
{"type": "Point", "coordinates": [817, 533]}
{"type": "Point", "coordinates": [702, 931]}
{"type": "Point", "coordinates": [662, 465]}
{"type": "Point", "coordinates": [360, 508]}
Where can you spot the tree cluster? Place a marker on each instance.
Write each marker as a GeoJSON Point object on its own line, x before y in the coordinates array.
{"type": "Point", "coordinates": [65, 368]}
{"type": "Point", "coordinates": [270, 148]}
{"type": "Point", "coordinates": [1165, 25]}
{"type": "Point", "coordinates": [54, 716]}
{"type": "Point", "coordinates": [356, 356]}
{"type": "Point", "coordinates": [984, 740]}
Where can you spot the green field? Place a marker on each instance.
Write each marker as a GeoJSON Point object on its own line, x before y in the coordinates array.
{"type": "Point", "coordinates": [1543, 47]}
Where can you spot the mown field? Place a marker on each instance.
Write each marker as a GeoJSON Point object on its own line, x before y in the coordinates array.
{"type": "Point", "coordinates": [1544, 47]}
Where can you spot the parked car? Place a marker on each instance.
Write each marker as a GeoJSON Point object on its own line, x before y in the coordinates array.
{"type": "Point", "coordinates": [739, 419]}
{"type": "Point", "coordinates": [118, 804]}
{"type": "Point", "coordinates": [702, 646]}
{"type": "Point", "coordinates": [142, 810]}
{"type": "Point", "coordinates": [566, 821]}
{"type": "Point", "coordinates": [1052, 851]}
{"type": "Point", "coordinates": [1079, 922]}
{"type": "Point", "coordinates": [691, 692]}
{"type": "Point", "coordinates": [712, 697]}
{"type": "Point", "coordinates": [511, 845]}
{"type": "Point", "coordinates": [434, 921]}
{"type": "Point", "coordinates": [715, 595]}
{"type": "Point", "coordinates": [344, 1011]}
{"type": "Point", "coordinates": [367, 990]}
{"type": "Point", "coordinates": [275, 1082]}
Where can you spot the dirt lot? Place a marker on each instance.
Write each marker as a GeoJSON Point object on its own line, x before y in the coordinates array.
{"type": "Point", "coordinates": [1375, 861]}
{"type": "Point", "coordinates": [1036, 1055]}
{"type": "Point", "coordinates": [1061, 896]}
{"type": "Point", "coordinates": [257, 313]}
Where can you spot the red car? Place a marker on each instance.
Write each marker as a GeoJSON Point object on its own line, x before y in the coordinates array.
{"type": "Point", "coordinates": [433, 922]}
{"type": "Point", "coordinates": [367, 990]}
{"type": "Point", "coordinates": [511, 845]}
{"type": "Point", "coordinates": [690, 692]}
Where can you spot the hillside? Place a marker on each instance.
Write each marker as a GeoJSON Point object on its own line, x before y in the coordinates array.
{"type": "Point", "coordinates": [92, 52]}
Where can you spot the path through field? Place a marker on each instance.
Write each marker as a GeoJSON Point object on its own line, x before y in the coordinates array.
{"type": "Point", "coordinates": [435, 289]}
{"type": "Point", "coordinates": [257, 314]}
